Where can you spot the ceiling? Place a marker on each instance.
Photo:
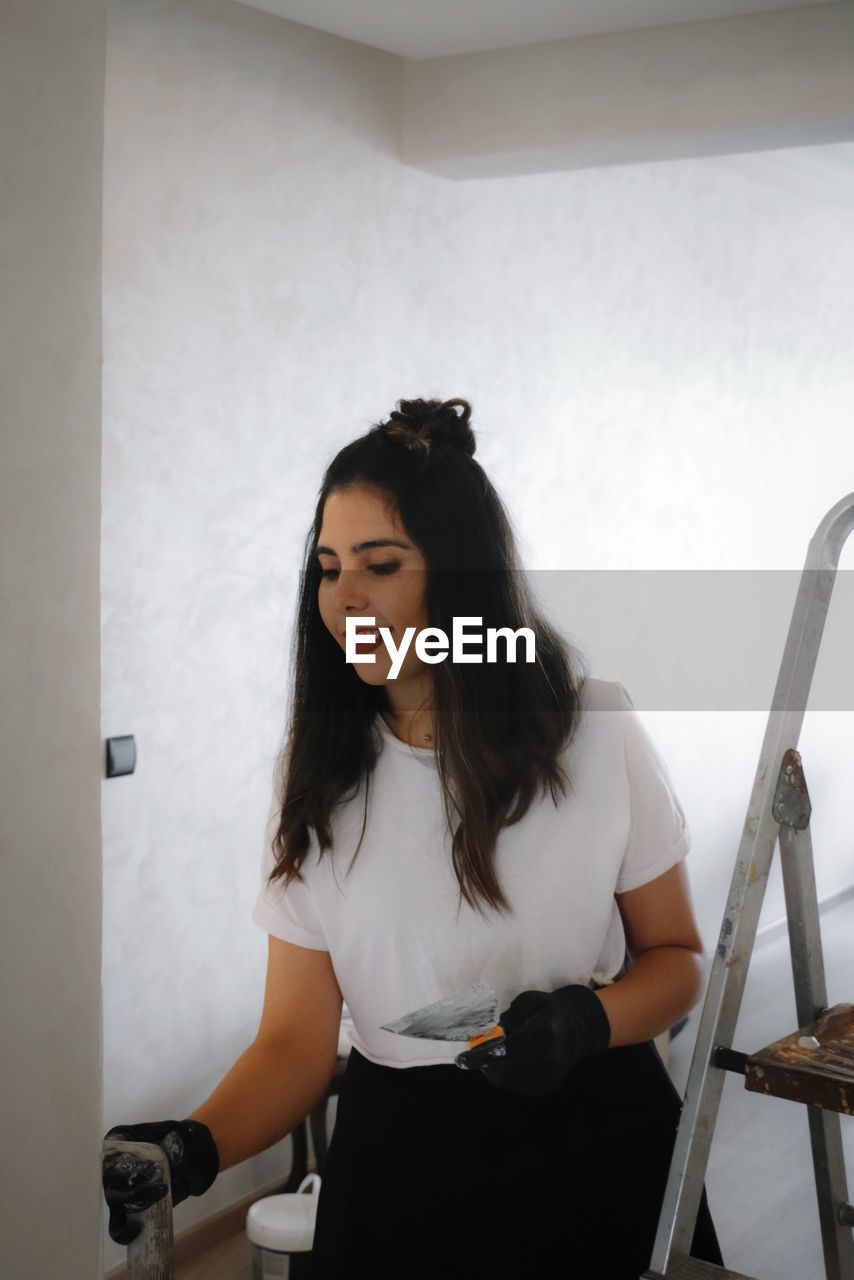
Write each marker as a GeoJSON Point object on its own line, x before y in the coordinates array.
{"type": "Point", "coordinates": [418, 30]}
{"type": "Point", "coordinates": [415, 29]}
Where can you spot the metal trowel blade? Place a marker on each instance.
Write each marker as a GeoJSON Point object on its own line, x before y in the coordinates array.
{"type": "Point", "coordinates": [471, 1012]}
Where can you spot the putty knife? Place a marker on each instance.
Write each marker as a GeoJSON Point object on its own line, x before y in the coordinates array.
{"type": "Point", "coordinates": [470, 1015]}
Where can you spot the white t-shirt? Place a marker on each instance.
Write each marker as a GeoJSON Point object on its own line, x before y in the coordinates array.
{"type": "Point", "coordinates": [397, 938]}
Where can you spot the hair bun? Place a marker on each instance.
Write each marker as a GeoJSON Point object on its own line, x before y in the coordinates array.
{"type": "Point", "coordinates": [420, 423]}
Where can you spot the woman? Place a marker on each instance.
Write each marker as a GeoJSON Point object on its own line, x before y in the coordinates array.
{"type": "Point", "coordinates": [501, 821]}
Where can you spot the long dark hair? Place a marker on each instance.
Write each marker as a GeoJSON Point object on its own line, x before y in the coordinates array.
{"type": "Point", "coordinates": [499, 727]}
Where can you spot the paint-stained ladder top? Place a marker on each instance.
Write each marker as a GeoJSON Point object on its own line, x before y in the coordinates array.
{"type": "Point", "coordinates": [819, 1077]}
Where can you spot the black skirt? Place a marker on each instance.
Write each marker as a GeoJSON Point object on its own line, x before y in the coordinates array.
{"type": "Point", "coordinates": [434, 1172]}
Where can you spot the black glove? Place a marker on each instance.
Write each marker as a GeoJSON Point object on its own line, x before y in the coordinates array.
{"type": "Point", "coordinates": [131, 1185]}
{"type": "Point", "coordinates": [546, 1033]}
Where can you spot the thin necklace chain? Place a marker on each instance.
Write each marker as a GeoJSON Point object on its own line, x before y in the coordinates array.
{"type": "Point", "coordinates": [428, 737]}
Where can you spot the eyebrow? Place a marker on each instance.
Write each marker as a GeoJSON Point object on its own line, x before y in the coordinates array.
{"type": "Point", "coordinates": [365, 546]}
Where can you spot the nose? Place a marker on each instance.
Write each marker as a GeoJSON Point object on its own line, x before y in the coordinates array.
{"type": "Point", "coordinates": [350, 588]}
{"type": "Point", "coordinates": [351, 597]}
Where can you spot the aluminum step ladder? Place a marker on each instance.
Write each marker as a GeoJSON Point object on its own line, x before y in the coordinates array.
{"type": "Point", "coordinates": [815, 1064]}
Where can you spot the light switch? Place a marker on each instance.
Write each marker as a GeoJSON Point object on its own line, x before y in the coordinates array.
{"type": "Point", "coordinates": [121, 756]}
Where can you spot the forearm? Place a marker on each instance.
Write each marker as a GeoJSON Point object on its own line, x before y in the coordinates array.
{"type": "Point", "coordinates": [660, 987]}
{"type": "Point", "coordinates": [263, 1097]}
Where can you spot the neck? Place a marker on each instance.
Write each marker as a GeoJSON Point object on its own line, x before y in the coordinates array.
{"type": "Point", "coordinates": [408, 710]}
{"type": "Point", "coordinates": [414, 727]}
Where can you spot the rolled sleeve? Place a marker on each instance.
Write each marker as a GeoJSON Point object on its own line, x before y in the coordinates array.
{"type": "Point", "coordinates": [659, 835]}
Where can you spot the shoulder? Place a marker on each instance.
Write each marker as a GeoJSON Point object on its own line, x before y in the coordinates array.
{"type": "Point", "coordinates": [600, 733]}
{"type": "Point", "coordinates": [604, 695]}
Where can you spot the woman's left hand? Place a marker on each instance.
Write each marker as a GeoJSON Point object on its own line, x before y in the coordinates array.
{"type": "Point", "coordinates": [546, 1034]}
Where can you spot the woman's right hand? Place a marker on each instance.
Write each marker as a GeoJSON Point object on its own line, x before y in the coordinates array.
{"type": "Point", "coordinates": [131, 1184]}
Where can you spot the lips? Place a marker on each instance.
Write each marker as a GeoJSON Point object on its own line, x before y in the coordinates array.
{"type": "Point", "coordinates": [361, 642]}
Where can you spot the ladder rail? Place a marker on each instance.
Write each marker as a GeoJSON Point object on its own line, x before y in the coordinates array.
{"type": "Point", "coordinates": [680, 1204]}
{"type": "Point", "coordinates": [808, 973]}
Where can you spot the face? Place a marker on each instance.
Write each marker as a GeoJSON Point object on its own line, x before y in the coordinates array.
{"type": "Point", "coordinates": [386, 581]}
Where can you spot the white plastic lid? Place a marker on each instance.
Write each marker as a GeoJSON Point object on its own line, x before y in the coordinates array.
{"type": "Point", "coordinates": [285, 1223]}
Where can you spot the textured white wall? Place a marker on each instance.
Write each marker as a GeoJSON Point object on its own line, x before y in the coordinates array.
{"type": "Point", "coordinates": [51, 134]}
{"type": "Point", "coordinates": [659, 363]}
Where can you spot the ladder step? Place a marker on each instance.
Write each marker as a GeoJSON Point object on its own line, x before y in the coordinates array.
{"type": "Point", "coordinates": [695, 1269]}
{"type": "Point", "coordinates": [820, 1076]}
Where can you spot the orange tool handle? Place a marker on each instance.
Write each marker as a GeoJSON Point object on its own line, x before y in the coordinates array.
{"type": "Point", "coordinates": [494, 1034]}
